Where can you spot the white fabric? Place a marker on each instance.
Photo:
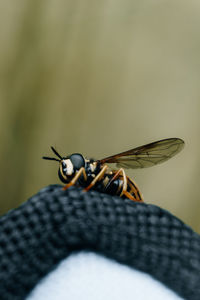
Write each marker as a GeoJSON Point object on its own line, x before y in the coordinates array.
{"type": "Point", "coordinates": [88, 276]}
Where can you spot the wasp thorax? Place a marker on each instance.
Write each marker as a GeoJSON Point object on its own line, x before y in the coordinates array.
{"type": "Point", "coordinates": [69, 165]}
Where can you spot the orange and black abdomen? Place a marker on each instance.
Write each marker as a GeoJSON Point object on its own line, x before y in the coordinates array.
{"type": "Point", "coordinates": [113, 188]}
{"type": "Point", "coordinates": [116, 188]}
{"type": "Point", "coordinates": [134, 190]}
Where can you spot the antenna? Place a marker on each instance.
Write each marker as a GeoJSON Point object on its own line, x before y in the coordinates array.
{"type": "Point", "coordinates": [56, 153]}
{"type": "Point", "coordinates": [50, 158]}
{"type": "Point", "coordinates": [53, 158]}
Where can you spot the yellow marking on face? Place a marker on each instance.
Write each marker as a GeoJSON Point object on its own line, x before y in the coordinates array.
{"type": "Point", "coordinates": [69, 167]}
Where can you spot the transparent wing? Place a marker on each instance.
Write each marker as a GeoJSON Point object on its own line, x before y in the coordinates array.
{"type": "Point", "coordinates": [147, 155]}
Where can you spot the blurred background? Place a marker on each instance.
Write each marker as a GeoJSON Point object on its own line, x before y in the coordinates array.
{"type": "Point", "coordinates": [100, 77]}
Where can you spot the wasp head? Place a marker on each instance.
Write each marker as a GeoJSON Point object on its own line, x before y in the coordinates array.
{"type": "Point", "coordinates": [67, 165]}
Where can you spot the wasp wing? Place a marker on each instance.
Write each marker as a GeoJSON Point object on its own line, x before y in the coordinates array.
{"type": "Point", "coordinates": [147, 155]}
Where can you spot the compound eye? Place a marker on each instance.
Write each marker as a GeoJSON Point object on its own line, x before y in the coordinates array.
{"type": "Point", "coordinates": [77, 160]}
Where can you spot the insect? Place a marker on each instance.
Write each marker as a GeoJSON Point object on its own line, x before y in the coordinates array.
{"type": "Point", "coordinates": [96, 174]}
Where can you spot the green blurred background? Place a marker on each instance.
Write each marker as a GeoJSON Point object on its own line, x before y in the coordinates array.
{"type": "Point", "coordinates": [100, 77]}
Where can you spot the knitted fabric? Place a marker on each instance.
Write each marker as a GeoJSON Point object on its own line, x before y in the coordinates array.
{"type": "Point", "coordinates": [53, 223]}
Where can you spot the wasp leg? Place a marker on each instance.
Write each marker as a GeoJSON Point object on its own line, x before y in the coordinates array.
{"type": "Point", "coordinates": [76, 177]}
{"type": "Point", "coordinates": [129, 196]}
{"type": "Point", "coordinates": [98, 177]}
{"type": "Point", "coordinates": [135, 190]}
{"type": "Point", "coordinates": [117, 175]}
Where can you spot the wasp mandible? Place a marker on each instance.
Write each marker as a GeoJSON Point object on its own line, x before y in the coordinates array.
{"type": "Point", "coordinates": [96, 174]}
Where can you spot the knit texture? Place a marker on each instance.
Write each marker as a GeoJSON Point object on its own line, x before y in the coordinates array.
{"type": "Point", "coordinates": [53, 223]}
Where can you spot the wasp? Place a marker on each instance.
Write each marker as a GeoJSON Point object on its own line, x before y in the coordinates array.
{"type": "Point", "coordinates": [75, 169]}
